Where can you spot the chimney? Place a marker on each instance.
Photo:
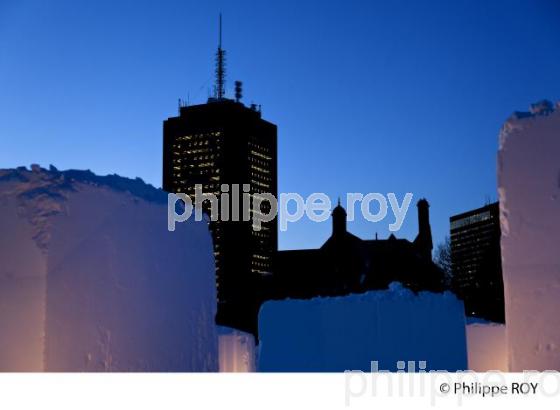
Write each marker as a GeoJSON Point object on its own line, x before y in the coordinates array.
{"type": "Point", "coordinates": [424, 239]}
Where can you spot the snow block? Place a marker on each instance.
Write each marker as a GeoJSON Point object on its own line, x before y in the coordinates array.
{"type": "Point", "coordinates": [529, 191]}
{"type": "Point", "coordinates": [487, 347]}
{"type": "Point", "coordinates": [238, 352]}
{"type": "Point", "coordinates": [335, 334]}
{"type": "Point", "coordinates": [91, 279]}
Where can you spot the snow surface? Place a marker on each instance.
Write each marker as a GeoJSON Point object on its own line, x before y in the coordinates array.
{"type": "Point", "coordinates": [237, 351]}
{"type": "Point", "coordinates": [348, 332]}
{"type": "Point", "coordinates": [91, 280]}
{"type": "Point", "coordinates": [529, 190]}
{"type": "Point", "coordinates": [487, 348]}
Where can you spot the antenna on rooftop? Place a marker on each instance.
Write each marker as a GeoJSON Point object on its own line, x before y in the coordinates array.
{"type": "Point", "coordinates": [238, 91]}
{"type": "Point", "coordinates": [219, 91]}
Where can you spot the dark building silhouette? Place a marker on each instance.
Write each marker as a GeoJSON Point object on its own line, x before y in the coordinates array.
{"type": "Point", "coordinates": [347, 264]}
{"type": "Point", "coordinates": [476, 262]}
{"type": "Point", "coordinates": [225, 142]}
{"type": "Point", "coordinates": [423, 241]}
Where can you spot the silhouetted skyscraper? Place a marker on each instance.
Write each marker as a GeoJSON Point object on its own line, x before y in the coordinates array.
{"type": "Point", "coordinates": [477, 263]}
{"type": "Point", "coordinates": [225, 142]}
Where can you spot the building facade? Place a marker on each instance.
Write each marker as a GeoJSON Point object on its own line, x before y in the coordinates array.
{"type": "Point", "coordinates": [476, 262]}
{"type": "Point", "coordinates": [347, 264]}
{"type": "Point", "coordinates": [227, 149]}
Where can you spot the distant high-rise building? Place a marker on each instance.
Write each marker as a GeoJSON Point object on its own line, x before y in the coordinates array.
{"type": "Point", "coordinates": [225, 142]}
{"type": "Point", "coordinates": [476, 262]}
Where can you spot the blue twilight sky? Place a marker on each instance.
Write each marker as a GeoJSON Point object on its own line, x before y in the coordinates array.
{"type": "Point", "coordinates": [369, 96]}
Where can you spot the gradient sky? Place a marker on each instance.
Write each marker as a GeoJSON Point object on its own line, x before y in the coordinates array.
{"type": "Point", "coordinates": [370, 96]}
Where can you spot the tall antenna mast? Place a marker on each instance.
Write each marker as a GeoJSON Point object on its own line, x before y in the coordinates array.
{"type": "Point", "coordinates": [220, 67]}
{"type": "Point", "coordinates": [220, 39]}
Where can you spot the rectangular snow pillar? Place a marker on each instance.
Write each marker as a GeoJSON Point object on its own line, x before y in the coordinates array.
{"type": "Point", "coordinates": [486, 343]}
{"type": "Point", "coordinates": [391, 327]}
{"type": "Point", "coordinates": [92, 280]}
{"type": "Point", "coordinates": [529, 190]}
{"type": "Point", "coordinates": [237, 351]}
